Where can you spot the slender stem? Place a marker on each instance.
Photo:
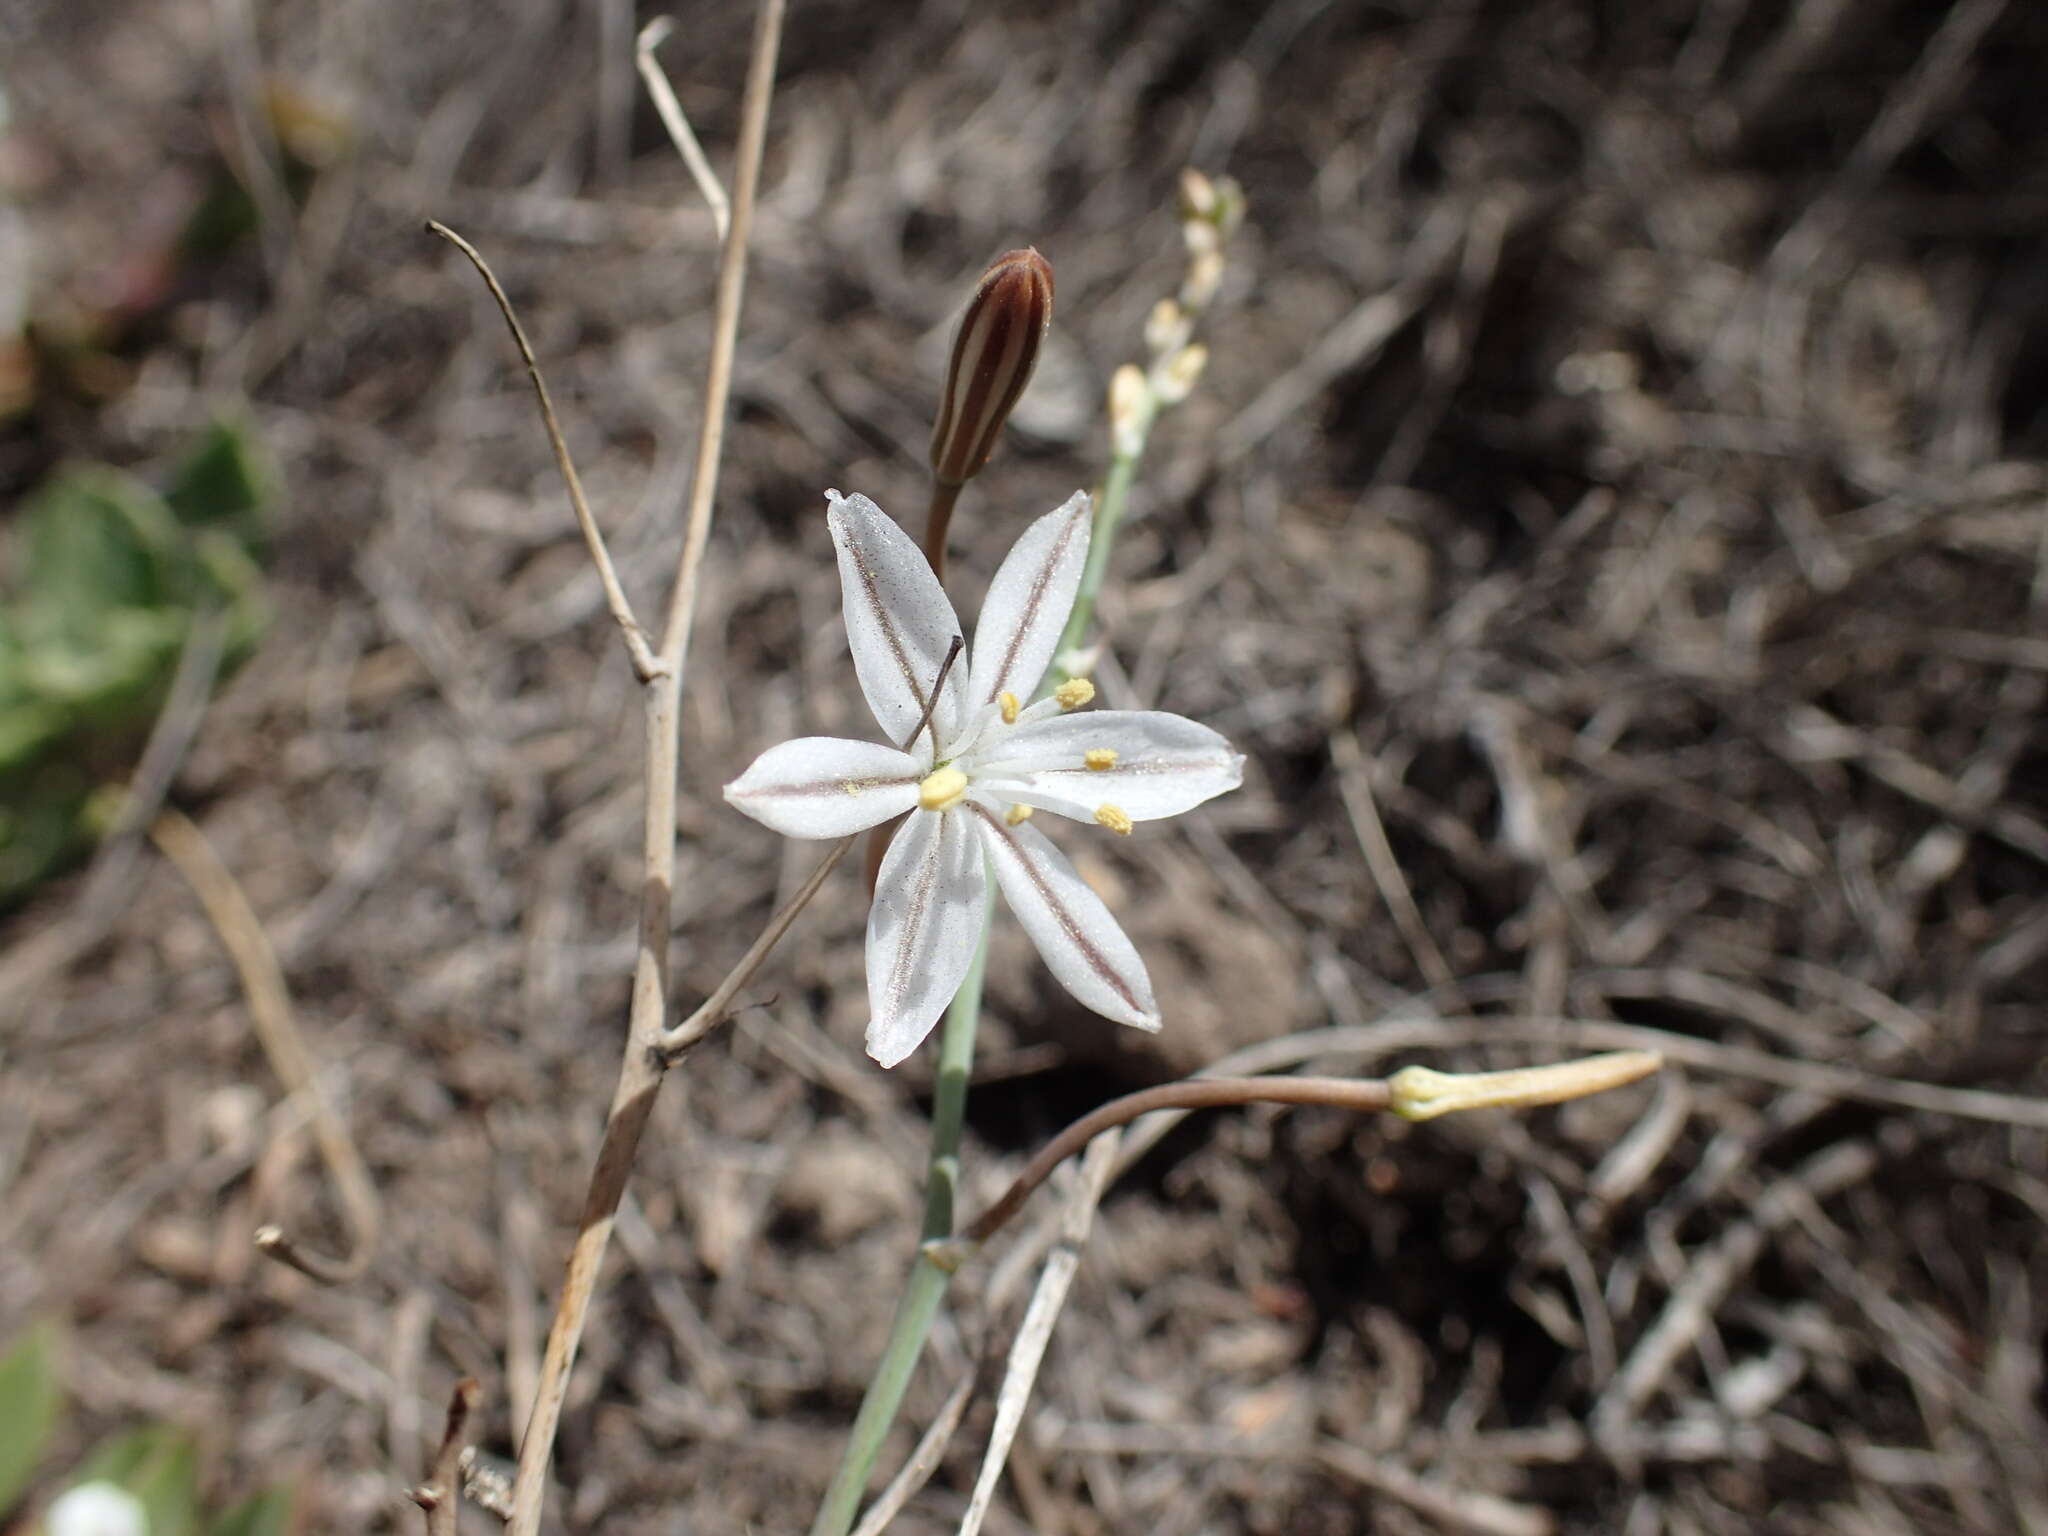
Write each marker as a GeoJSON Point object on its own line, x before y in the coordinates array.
{"type": "Point", "coordinates": [927, 1283]}
{"type": "Point", "coordinates": [1109, 516]}
{"type": "Point", "coordinates": [441, 1495]}
{"type": "Point", "coordinates": [645, 664]}
{"type": "Point", "coordinates": [1353, 1093]}
{"type": "Point", "coordinates": [926, 1286]}
{"type": "Point", "coordinates": [938, 517]}
{"type": "Point", "coordinates": [640, 1070]}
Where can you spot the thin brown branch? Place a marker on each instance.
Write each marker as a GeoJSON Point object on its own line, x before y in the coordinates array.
{"type": "Point", "coordinates": [717, 1008]}
{"type": "Point", "coordinates": [673, 118]}
{"type": "Point", "coordinates": [1191, 1093]}
{"type": "Point", "coordinates": [441, 1495]}
{"type": "Point", "coordinates": [270, 1008]}
{"type": "Point", "coordinates": [640, 1072]}
{"type": "Point", "coordinates": [645, 664]}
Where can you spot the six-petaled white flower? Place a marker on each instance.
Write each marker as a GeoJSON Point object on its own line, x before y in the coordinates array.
{"type": "Point", "coordinates": [971, 765]}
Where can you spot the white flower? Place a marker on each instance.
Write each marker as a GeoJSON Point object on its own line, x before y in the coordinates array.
{"type": "Point", "coordinates": [972, 774]}
{"type": "Point", "coordinates": [97, 1509]}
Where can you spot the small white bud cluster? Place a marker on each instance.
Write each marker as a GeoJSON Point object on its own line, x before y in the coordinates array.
{"type": "Point", "coordinates": [1211, 210]}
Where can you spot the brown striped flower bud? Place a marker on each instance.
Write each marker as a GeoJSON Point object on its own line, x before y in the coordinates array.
{"type": "Point", "coordinates": [993, 355]}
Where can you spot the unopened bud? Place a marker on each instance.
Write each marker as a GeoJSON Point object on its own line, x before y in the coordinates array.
{"type": "Point", "coordinates": [1180, 375]}
{"type": "Point", "coordinates": [1197, 196]}
{"type": "Point", "coordinates": [1229, 214]}
{"type": "Point", "coordinates": [1166, 328]}
{"type": "Point", "coordinates": [1205, 276]}
{"type": "Point", "coordinates": [993, 355]}
{"type": "Point", "coordinates": [1129, 406]}
{"type": "Point", "coordinates": [1420, 1094]}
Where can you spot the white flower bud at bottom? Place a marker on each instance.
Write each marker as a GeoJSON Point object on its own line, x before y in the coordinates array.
{"type": "Point", "coordinates": [97, 1509]}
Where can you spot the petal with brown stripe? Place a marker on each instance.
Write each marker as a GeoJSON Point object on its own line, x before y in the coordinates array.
{"type": "Point", "coordinates": [899, 624]}
{"type": "Point", "coordinates": [823, 786]}
{"type": "Point", "coordinates": [923, 929]}
{"type": "Point", "coordinates": [1080, 940]}
{"type": "Point", "coordinates": [1028, 603]}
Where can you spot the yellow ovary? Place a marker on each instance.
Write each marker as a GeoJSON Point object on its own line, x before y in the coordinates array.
{"type": "Point", "coordinates": [942, 789]}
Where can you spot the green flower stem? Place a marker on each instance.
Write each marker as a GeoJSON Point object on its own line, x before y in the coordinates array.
{"type": "Point", "coordinates": [1109, 516]}
{"type": "Point", "coordinates": [926, 1287]}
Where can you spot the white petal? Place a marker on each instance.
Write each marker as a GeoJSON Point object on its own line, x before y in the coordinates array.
{"type": "Point", "coordinates": [1028, 603]}
{"type": "Point", "coordinates": [898, 622]}
{"type": "Point", "coordinates": [822, 786]}
{"type": "Point", "coordinates": [1164, 764]}
{"type": "Point", "coordinates": [923, 929]}
{"type": "Point", "coordinates": [1080, 941]}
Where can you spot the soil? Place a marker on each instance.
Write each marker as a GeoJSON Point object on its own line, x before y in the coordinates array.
{"type": "Point", "coordinates": [1611, 523]}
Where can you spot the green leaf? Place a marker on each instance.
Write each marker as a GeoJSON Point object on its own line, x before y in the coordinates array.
{"type": "Point", "coordinates": [225, 482]}
{"type": "Point", "coordinates": [97, 539]}
{"type": "Point", "coordinates": [31, 1401]}
{"type": "Point", "coordinates": [273, 1512]}
{"type": "Point", "coordinates": [159, 1464]}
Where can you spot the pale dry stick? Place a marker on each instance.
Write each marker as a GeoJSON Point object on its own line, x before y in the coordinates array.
{"type": "Point", "coordinates": [1454, 1508]}
{"type": "Point", "coordinates": [1714, 1272]}
{"type": "Point", "coordinates": [1027, 1353]}
{"type": "Point", "coordinates": [646, 666]}
{"type": "Point", "coordinates": [255, 135]}
{"type": "Point", "coordinates": [717, 1008]}
{"type": "Point", "coordinates": [1458, 1508]}
{"type": "Point", "coordinates": [1355, 788]}
{"type": "Point", "coordinates": [441, 1495]}
{"type": "Point", "coordinates": [407, 1332]}
{"type": "Point", "coordinates": [923, 1462]}
{"type": "Point", "coordinates": [670, 110]}
{"type": "Point", "coordinates": [640, 1070]}
{"type": "Point", "coordinates": [270, 1007]}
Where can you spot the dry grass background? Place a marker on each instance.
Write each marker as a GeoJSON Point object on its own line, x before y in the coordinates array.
{"type": "Point", "coordinates": [1620, 476]}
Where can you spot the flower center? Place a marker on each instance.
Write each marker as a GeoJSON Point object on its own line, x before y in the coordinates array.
{"type": "Point", "coordinates": [942, 789]}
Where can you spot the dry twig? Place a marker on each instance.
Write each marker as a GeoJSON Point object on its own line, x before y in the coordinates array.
{"type": "Point", "coordinates": [270, 1008]}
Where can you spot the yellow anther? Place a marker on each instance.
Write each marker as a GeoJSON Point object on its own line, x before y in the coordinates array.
{"type": "Point", "coordinates": [942, 789]}
{"type": "Point", "coordinates": [1007, 702]}
{"type": "Point", "coordinates": [1116, 820]}
{"type": "Point", "coordinates": [858, 786]}
{"type": "Point", "coordinates": [1017, 814]}
{"type": "Point", "coordinates": [1074, 692]}
{"type": "Point", "coordinates": [1100, 759]}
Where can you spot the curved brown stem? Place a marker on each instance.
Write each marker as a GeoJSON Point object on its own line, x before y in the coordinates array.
{"type": "Point", "coordinates": [1355, 1093]}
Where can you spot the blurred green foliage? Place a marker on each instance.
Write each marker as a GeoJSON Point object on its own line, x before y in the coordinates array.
{"type": "Point", "coordinates": [158, 1464]}
{"type": "Point", "coordinates": [110, 576]}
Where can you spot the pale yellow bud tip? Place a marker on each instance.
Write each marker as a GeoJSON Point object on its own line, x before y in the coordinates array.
{"type": "Point", "coordinates": [1017, 815]}
{"type": "Point", "coordinates": [1420, 1094]}
{"type": "Point", "coordinates": [942, 789]}
{"type": "Point", "coordinates": [1007, 703]}
{"type": "Point", "coordinates": [1074, 692]}
{"type": "Point", "coordinates": [1100, 759]}
{"type": "Point", "coordinates": [1179, 376]}
{"type": "Point", "coordinates": [1116, 820]}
